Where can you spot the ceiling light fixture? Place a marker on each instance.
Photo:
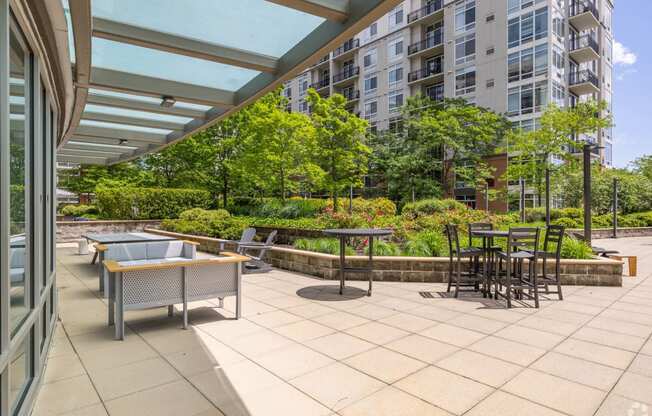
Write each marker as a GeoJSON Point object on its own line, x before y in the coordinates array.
{"type": "Point", "coordinates": [168, 101]}
{"type": "Point", "coordinates": [123, 142]}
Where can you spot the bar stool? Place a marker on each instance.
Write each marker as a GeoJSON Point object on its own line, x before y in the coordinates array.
{"type": "Point", "coordinates": [487, 246]}
{"type": "Point", "coordinates": [554, 237]}
{"type": "Point", "coordinates": [522, 244]}
{"type": "Point", "coordinates": [462, 278]}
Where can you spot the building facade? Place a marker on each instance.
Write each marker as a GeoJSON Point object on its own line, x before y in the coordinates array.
{"type": "Point", "coordinates": [511, 56]}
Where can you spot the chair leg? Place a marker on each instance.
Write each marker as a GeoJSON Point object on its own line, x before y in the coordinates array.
{"type": "Point", "coordinates": [450, 277]}
{"type": "Point", "coordinates": [458, 278]}
{"type": "Point", "coordinates": [508, 283]}
{"type": "Point", "coordinates": [533, 274]}
{"type": "Point", "coordinates": [559, 294]}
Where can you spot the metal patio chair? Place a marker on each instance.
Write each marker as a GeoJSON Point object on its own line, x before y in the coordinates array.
{"type": "Point", "coordinates": [462, 278]}
{"type": "Point", "coordinates": [517, 278]}
{"type": "Point", "coordinates": [551, 252]}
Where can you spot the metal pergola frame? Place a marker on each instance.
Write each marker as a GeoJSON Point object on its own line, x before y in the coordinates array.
{"type": "Point", "coordinates": [344, 18]}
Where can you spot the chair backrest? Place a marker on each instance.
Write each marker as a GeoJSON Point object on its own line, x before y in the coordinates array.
{"type": "Point", "coordinates": [453, 240]}
{"type": "Point", "coordinates": [478, 226]}
{"type": "Point", "coordinates": [271, 237]}
{"type": "Point", "coordinates": [554, 236]}
{"type": "Point", "coordinates": [248, 235]}
{"type": "Point", "coordinates": [524, 239]}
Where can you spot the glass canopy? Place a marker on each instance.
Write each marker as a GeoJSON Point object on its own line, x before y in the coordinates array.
{"type": "Point", "coordinates": [150, 72]}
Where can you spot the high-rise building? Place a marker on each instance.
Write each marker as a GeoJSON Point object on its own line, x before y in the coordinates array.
{"type": "Point", "coordinates": [511, 56]}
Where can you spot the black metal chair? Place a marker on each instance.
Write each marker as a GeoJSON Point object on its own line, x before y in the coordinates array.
{"type": "Point", "coordinates": [551, 251]}
{"type": "Point", "coordinates": [522, 245]}
{"type": "Point", "coordinates": [487, 246]}
{"type": "Point", "coordinates": [462, 278]}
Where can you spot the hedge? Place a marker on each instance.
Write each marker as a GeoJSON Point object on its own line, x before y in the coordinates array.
{"type": "Point", "coordinates": [148, 203]}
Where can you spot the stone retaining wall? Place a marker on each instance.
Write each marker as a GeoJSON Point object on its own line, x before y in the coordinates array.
{"type": "Point", "coordinates": [596, 272]}
{"type": "Point", "coordinates": [598, 233]}
{"type": "Point", "coordinates": [73, 230]}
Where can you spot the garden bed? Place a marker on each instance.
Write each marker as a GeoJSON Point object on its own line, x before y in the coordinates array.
{"type": "Point", "coordinates": [73, 230]}
{"type": "Point", "coordinates": [594, 272]}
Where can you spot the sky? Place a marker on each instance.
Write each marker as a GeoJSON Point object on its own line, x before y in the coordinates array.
{"type": "Point", "coordinates": [632, 100]}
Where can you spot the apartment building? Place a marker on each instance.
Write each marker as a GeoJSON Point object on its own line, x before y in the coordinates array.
{"type": "Point", "coordinates": [512, 56]}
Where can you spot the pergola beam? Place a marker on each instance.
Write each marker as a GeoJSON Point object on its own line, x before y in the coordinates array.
{"type": "Point", "coordinates": [147, 38]}
{"type": "Point", "coordinates": [140, 105]}
{"type": "Point", "coordinates": [119, 134]}
{"type": "Point", "coordinates": [132, 121]}
{"type": "Point", "coordinates": [112, 80]}
{"type": "Point", "coordinates": [110, 141]}
{"type": "Point", "coordinates": [337, 10]}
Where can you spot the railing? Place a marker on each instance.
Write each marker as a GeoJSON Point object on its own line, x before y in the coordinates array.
{"type": "Point", "coordinates": [436, 94]}
{"type": "Point", "coordinates": [322, 60]}
{"type": "Point", "coordinates": [586, 41]}
{"type": "Point", "coordinates": [584, 76]}
{"type": "Point", "coordinates": [351, 95]}
{"type": "Point", "coordinates": [347, 73]}
{"type": "Point", "coordinates": [433, 39]}
{"type": "Point", "coordinates": [426, 10]}
{"type": "Point", "coordinates": [346, 46]}
{"type": "Point", "coordinates": [425, 72]}
{"type": "Point", "coordinates": [321, 84]}
{"type": "Point", "coordinates": [578, 7]}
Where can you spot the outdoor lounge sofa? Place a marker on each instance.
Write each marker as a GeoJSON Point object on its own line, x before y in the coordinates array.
{"type": "Point", "coordinates": [157, 251]}
{"type": "Point", "coordinates": [143, 284]}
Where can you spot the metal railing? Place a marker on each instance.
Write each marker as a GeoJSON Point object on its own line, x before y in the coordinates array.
{"type": "Point", "coordinates": [346, 46]}
{"type": "Point", "coordinates": [322, 60]}
{"type": "Point", "coordinates": [351, 95]}
{"type": "Point", "coordinates": [584, 76]}
{"type": "Point", "coordinates": [434, 39]}
{"type": "Point", "coordinates": [346, 74]}
{"type": "Point", "coordinates": [321, 84]}
{"type": "Point", "coordinates": [426, 10]}
{"type": "Point", "coordinates": [426, 72]}
{"type": "Point", "coordinates": [585, 41]}
{"type": "Point", "coordinates": [582, 6]}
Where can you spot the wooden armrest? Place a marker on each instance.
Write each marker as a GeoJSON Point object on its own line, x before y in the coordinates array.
{"type": "Point", "coordinates": [113, 266]}
{"type": "Point", "coordinates": [194, 243]}
{"type": "Point", "coordinates": [101, 247]}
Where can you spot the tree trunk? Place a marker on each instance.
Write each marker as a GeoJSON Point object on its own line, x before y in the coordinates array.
{"type": "Point", "coordinates": [225, 190]}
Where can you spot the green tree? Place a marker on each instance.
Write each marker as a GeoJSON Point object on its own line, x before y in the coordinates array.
{"type": "Point", "coordinates": [643, 166]}
{"type": "Point", "coordinates": [533, 152]}
{"type": "Point", "coordinates": [339, 137]}
{"type": "Point", "coordinates": [453, 135]}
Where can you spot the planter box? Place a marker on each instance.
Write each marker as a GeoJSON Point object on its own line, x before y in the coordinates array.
{"type": "Point", "coordinates": [73, 230]}
{"type": "Point", "coordinates": [595, 272]}
{"type": "Point", "coordinates": [598, 233]}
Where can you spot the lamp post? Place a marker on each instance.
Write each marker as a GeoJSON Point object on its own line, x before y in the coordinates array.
{"type": "Point", "coordinates": [486, 197]}
{"type": "Point", "coordinates": [521, 184]}
{"type": "Point", "coordinates": [586, 151]}
{"type": "Point", "coordinates": [547, 197]}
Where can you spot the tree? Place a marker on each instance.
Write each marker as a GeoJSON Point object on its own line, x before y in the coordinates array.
{"type": "Point", "coordinates": [643, 166]}
{"type": "Point", "coordinates": [457, 133]}
{"type": "Point", "coordinates": [560, 130]}
{"type": "Point", "coordinates": [280, 146]}
{"type": "Point", "coordinates": [340, 149]}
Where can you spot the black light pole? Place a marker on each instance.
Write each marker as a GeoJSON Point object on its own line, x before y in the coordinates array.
{"type": "Point", "coordinates": [547, 197]}
{"type": "Point", "coordinates": [522, 198]}
{"type": "Point", "coordinates": [587, 192]}
{"type": "Point", "coordinates": [615, 209]}
{"type": "Point", "coordinates": [486, 197]}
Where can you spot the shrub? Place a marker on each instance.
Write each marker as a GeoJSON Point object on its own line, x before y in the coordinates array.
{"type": "Point", "coordinates": [322, 245]}
{"type": "Point", "coordinates": [218, 224]}
{"type": "Point", "coordinates": [427, 244]}
{"type": "Point", "coordinates": [78, 210]}
{"type": "Point", "coordinates": [148, 203]}
{"type": "Point", "coordinates": [383, 248]}
{"type": "Point", "coordinates": [567, 222]}
{"type": "Point", "coordinates": [572, 248]}
{"type": "Point", "coordinates": [432, 206]}
{"type": "Point", "coordinates": [277, 208]}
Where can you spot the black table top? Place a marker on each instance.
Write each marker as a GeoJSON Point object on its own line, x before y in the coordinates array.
{"type": "Point", "coordinates": [490, 233]}
{"type": "Point", "coordinates": [359, 232]}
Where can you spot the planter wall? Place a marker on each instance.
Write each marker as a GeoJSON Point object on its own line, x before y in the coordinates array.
{"type": "Point", "coordinates": [598, 233]}
{"type": "Point", "coordinates": [73, 230]}
{"type": "Point", "coordinates": [596, 272]}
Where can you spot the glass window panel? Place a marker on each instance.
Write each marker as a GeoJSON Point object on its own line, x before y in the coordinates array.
{"type": "Point", "coordinates": [103, 124]}
{"type": "Point", "coordinates": [527, 27]}
{"type": "Point", "coordinates": [93, 108]}
{"type": "Point", "coordinates": [253, 25]}
{"type": "Point", "coordinates": [146, 99]}
{"type": "Point", "coordinates": [513, 33]}
{"type": "Point", "coordinates": [169, 66]}
{"type": "Point", "coordinates": [19, 374]}
{"type": "Point", "coordinates": [541, 23]}
{"type": "Point", "coordinates": [18, 168]}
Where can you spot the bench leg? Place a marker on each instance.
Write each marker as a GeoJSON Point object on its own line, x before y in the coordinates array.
{"type": "Point", "coordinates": [120, 312]}
{"type": "Point", "coordinates": [221, 303]}
{"type": "Point", "coordinates": [632, 266]}
{"type": "Point", "coordinates": [170, 311]}
{"type": "Point", "coordinates": [238, 300]}
{"type": "Point", "coordinates": [94, 258]}
{"type": "Point", "coordinates": [111, 296]}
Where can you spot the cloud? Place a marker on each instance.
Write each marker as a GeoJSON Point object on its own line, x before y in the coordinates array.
{"type": "Point", "coordinates": [622, 74]}
{"type": "Point", "coordinates": [623, 56]}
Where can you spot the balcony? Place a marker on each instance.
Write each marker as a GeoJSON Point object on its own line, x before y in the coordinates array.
{"type": "Point", "coordinates": [433, 43]}
{"type": "Point", "coordinates": [426, 74]}
{"type": "Point", "coordinates": [351, 95]}
{"type": "Point", "coordinates": [346, 75]}
{"type": "Point", "coordinates": [346, 49]}
{"type": "Point", "coordinates": [321, 84]}
{"type": "Point", "coordinates": [583, 82]}
{"type": "Point", "coordinates": [584, 49]}
{"type": "Point", "coordinates": [583, 15]}
{"type": "Point", "coordinates": [432, 11]}
{"type": "Point", "coordinates": [322, 61]}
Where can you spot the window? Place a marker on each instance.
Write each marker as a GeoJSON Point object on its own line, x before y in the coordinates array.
{"type": "Point", "coordinates": [370, 83]}
{"type": "Point", "coordinates": [527, 98]}
{"type": "Point", "coordinates": [465, 80]}
{"type": "Point", "coordinates": [465, 49]}
{"type": "Point", "coordinates": [513, 32]}
{"type": "Point", "coordinates": [541, 59]}
{"type": "Point", "coordinates": [395, 49]}
{"type": "Point", "coordinates": [464, 16]}
{"type": "Point", "coordinates": [371, 108]}
{"type": "Point", "coordinates": [527, 63]}
{"type": "Point", "coordinates": [435, 92]}
{"type": "Point", "coordinates": [395, 124]}
{"type": "Point", "coordinates": [288, 92]}
{"type": "Point", "coordinates": [303, 106]}
{"type": "Point", "coordinates": [395, 75]}
{"type": "Point", "coordinates": [558, 94]}
{"type": "Point", "coordinates": [514, 6]}
{"type": "Point", "coordinates": [396, 17]}
{"type": "Point", "coordinates": [370, 58]}
{"type": "Point", "coordinates": [490, 18]}
{"type": "Point", "coordinates": [541, 23]}
{"type": "Point", "coordinates": [491, 50]}
{"type": "Point", "coordinates": [395, 100]}
{"type": "Point", "coordinates": [490, 83]}
{"type": "Point", "coordinates": [303, 85]}
{"type": "Point", "coordinates": [373, 30]}
{"type": "Point", "coordinates": [527, 27]}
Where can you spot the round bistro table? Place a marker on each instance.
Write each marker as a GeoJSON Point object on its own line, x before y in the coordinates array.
{"type": "Point", "coordinates": [488, 259]}
{"type": "Point", "coordinates": [346, 233]}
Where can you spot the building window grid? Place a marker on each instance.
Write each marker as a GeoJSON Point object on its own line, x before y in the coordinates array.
{"type": "Point", "coordinates": [370, 109]}
{"type": "Point", "coordinates": [395, 49]}
{"type": "Point", "coordinates": [371, 84]}
{"type": "Point", "coordinates": [465, 49]}
{"type": "Point", "coordinates": [395, 100]}
{"type": "Point", "coordinates": [464, 16]}
{"type": "Point", "coordinates": [370, 58]}
{"type": "Point", "coordinates": [527, 99]}
{"type": "Point", "coordinates": [396, 17]}
{"type": "Point", "coordinates": [527, 63]}
{"type": "Point", "coordinates": [527, 27]}
{"type": "Point", "coordinates": [465, 81]}
{"type": "Point", "coordinates": [395, 75]}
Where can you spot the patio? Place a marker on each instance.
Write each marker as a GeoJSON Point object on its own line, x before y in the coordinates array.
{"type": "Point", "coordinates": [302, 350]}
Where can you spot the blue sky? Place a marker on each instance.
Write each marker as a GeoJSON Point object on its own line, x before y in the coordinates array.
{"type": "Point", "coordinates": [632, 101]}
